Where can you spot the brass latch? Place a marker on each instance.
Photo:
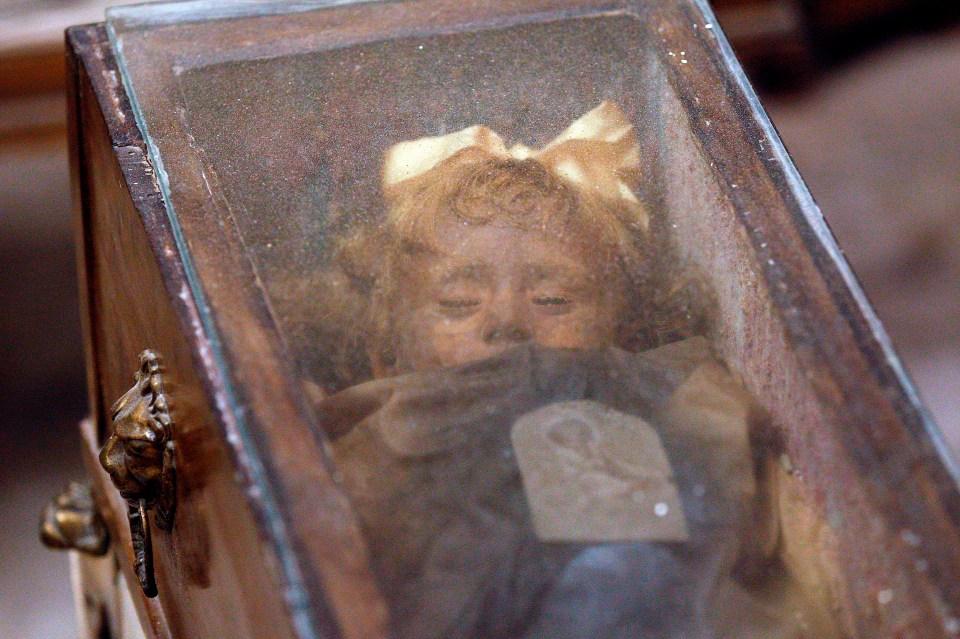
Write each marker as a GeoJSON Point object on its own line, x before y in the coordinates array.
{"type": "Point", "coordinates": [71, 522]}
{"type": "Point", "coordinates": [139, 456]}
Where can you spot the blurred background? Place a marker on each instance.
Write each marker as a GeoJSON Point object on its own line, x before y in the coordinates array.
{"type": "Point", "coordinates": [865, 93]}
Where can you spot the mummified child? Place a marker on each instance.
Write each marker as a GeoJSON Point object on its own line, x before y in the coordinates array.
{"type": "Point", "coordinates": [520, 465]}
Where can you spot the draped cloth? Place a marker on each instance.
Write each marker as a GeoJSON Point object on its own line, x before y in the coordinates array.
{"type": "Point", "coordinates": [453, 508]}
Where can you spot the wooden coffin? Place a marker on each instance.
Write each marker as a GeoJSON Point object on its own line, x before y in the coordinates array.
{"type": "Point", "coordinates": [215, 149]}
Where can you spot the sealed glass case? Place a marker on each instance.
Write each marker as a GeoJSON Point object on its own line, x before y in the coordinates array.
{"type": "Point", "coordinates": [482, 320]}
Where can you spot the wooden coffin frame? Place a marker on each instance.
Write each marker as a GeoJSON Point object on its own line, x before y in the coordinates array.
{"type": "Point", "coordinates": [265, 543]}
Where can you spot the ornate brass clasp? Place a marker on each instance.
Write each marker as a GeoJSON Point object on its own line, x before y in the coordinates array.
{"type": "Point", "coordinates": [71, 522]}
{"type": "Point", "coordinates": [139, 456]}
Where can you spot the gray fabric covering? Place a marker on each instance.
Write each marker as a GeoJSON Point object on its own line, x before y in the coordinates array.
{"type": "Point", "coordinates": [428, 462]}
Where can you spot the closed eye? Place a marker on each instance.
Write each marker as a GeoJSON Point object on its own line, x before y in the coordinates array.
{"type": "Point", "coordinates": [458, 307]}
{"type": "Point", "coordinates": [458, 303]}
{"type": "Point", "coordinates": [551, 300]}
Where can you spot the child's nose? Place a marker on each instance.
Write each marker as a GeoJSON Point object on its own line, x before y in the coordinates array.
{"type": "Point", "coordinates": [506, 321]}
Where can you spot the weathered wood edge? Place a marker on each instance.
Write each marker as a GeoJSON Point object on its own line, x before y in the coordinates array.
{"type": "Point", "coordinates": [864, 388]}
{"type": "Point", "coordinates": [98, 67]}
{"type": "Point", "coordinates": [148, 611]}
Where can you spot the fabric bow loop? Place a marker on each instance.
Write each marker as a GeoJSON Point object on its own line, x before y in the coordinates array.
{"type": "Point", "coordinates": [598, 154]}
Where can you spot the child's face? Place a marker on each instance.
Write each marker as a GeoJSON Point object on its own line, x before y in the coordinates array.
{"type": "Point", "coordinates": [494, 286]}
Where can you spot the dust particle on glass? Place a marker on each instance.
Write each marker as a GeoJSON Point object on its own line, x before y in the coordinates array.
{"type": "Point", "coordinates": [910, 538]}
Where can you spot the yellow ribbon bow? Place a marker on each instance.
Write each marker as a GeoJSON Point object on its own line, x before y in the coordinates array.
{"type": "Point", "coordinates": [598, 154]}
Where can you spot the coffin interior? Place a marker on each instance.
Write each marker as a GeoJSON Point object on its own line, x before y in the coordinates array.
{"type": "Point", "coordinates": [282, 149]}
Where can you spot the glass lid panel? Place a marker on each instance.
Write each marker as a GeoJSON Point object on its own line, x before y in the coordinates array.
{"type": "Point", "coordinates": [488, 252]}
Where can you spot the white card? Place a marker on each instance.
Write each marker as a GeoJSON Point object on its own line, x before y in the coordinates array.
{"type": "Point", "coordinates": [594, 474]}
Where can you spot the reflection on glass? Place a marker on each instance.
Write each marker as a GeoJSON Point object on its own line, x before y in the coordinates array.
{"type": "Point", "coordinates": [545, 449]}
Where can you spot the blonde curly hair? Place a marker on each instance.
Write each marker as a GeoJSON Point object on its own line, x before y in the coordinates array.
{"type": "Point", "coordinates": [373, 257]}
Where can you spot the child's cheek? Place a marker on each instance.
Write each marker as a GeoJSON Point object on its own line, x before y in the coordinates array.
{"type": "Point", "coordinates": [457, 341]}
{"type": "Point", "coordinates": [587, 327]}
{"type": "Point", "coordinates": [433, 340]}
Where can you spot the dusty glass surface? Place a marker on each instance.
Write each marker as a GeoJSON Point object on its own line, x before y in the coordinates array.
{"type": "Point", "coordinates": [300, 152]}
{"type": "Point", "coordinates": [469, 246]}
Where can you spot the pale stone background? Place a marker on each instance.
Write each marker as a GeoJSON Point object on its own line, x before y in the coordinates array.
{"type": "Point", "coordinates": [878, 143]}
